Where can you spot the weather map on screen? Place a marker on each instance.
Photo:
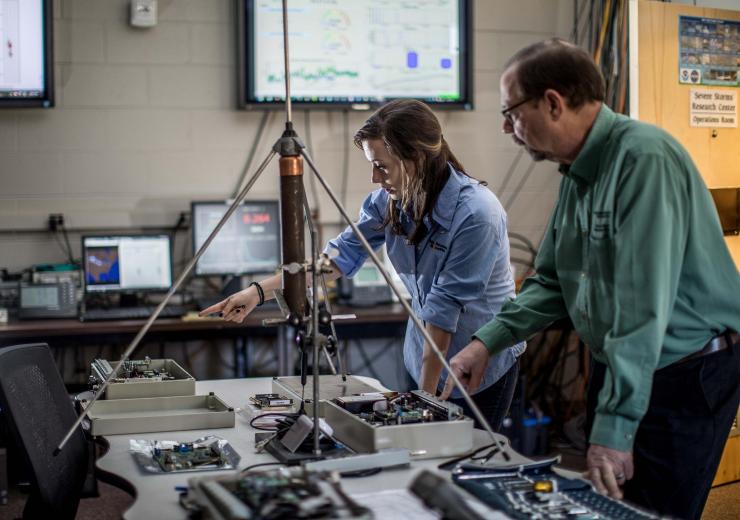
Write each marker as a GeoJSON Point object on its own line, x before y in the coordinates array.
{"type": "Point", "coordinates": [126, 263]}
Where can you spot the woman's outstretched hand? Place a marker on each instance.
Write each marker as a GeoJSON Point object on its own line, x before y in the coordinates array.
{"type": "Point", "coordinates": [236, 307]}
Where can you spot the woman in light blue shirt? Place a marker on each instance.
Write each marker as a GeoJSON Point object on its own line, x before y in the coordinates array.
{"type": "Point", "coordinates": [445, 234]}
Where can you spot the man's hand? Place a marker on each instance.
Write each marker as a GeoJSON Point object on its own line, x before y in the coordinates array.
{"type": "Point", "coordinates": [609, 469]}
{"type": "Point", "coordinates": [468, 365]}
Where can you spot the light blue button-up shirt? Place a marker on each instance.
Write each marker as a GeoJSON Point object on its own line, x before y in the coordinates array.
{"type": "Point", "coordinates": [458, 276]}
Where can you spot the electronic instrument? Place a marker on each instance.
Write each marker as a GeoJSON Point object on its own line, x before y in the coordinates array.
{"type": "Point", "coordinates": [536, 491]}
{"type": "Point", "coordinates": [47, 300]}
{"type": "Point", "coordinates": [416, 421]}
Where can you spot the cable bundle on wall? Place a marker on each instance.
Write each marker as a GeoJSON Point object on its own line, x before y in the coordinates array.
{"type": "Point", "coordinates": [601, 27]}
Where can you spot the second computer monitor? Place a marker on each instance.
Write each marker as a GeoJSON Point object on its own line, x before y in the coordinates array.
{"type": "Point", "coordinates": [249, 242]}
{"type": "Point", "coordinates": [127, 263]}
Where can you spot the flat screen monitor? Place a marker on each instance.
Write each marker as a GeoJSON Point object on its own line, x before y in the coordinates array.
{"type": "Point", "coordinates": [249, 242]}
{"type": "Point", "coordinates": [26, 58]}
{"type": "Point", "coordinates": [357, 53]}
{"type": "Point", "coordinates": [127, 263]}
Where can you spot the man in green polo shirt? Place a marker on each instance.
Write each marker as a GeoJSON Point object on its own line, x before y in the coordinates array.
{"type": "Point", "coordinates": [634, 256]}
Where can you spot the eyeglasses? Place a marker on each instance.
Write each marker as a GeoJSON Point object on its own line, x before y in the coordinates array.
{"type": "Point", "coordinates": [506, 112]}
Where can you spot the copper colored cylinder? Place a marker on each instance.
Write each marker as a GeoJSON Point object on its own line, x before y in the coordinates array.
{"type": "Point", "coordinates": [291, 208]}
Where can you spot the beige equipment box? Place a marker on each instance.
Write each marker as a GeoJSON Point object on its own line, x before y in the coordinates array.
{"type": "Point", "coordinates": [450, 433]}
{"type": "Point", "coordinates": [142, 378]}
{"type": "Point", "coordinates": [160, 414]}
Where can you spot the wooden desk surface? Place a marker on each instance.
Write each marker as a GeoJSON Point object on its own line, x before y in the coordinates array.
{"type": "Point", "coordinates": [72, 327]}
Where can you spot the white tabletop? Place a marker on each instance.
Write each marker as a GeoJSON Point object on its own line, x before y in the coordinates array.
{"type": "Point", "coordinates": [156, 495]}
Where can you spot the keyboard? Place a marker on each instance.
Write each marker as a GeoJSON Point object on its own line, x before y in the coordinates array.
{"type": "Point", "coordinates": [131, 313]}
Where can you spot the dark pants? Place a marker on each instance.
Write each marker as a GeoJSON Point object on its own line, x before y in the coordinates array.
{"type": "Point", "coordinates": [680, 440]}
{"type": "Point", "coordinates": [494, 401]}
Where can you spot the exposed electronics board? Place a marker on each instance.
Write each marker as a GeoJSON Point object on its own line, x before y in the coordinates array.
{"type": "Point", "coordinates": [188, 456]}
{"type": "Point", "coordinates": [286, 493]}
{"type": "Point", "coordinates": [416, 421]}
{"type": "Point", "coordinates": [169, 456]}
{"type": "Point", "coordinates": [541, 493]}
{"type": "Point", "coordinates": [272, 402]}
{"type": "Point", "coordinates": [142, 378]}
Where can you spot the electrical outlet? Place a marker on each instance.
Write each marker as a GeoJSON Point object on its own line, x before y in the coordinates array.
{"type": "Point", "coordinates": [56, 221]}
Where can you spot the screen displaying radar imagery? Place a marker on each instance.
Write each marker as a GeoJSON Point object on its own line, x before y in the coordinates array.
{"type": "Point", "coordinates": [359, 51]}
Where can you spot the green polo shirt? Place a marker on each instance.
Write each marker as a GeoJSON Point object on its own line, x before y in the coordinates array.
{"type": "Point", "coordinates": [634, 255]}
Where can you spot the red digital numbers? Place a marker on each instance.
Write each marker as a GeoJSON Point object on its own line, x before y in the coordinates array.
{"type": "Point", "coordinates": [256, 218]}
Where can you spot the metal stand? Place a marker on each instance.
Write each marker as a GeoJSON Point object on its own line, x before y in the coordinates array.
{"type": "Point", "coordinates": [292, 197]}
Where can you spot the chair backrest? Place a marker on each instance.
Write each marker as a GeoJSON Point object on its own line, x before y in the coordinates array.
{"type": "Point", "coordinates": [39, 413]}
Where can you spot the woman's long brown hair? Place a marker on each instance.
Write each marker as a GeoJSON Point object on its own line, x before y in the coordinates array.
{"type": "Point", "coordinates": [411, 132]}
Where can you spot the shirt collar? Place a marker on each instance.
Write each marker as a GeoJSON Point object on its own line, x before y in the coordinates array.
{"type": "Point", "coordinates": [444, 209]}
{"type": "Point", "coordinates": [585, 166]}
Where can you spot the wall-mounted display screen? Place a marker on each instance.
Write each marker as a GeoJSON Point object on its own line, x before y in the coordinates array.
{"type": "Point", "coordinates": [26, 58]}
{"type": "Point", "coordinates": [357, 52]}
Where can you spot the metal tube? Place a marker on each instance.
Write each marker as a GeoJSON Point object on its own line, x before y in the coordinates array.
{"type": "Point", "coordinates": [145, 328]}
{"type": "Point", "coordinates": [293, 239]}
{"type": "Point", "coordinates": [406, 306]}
{"type": "Point", "coordinates": [286, 57]}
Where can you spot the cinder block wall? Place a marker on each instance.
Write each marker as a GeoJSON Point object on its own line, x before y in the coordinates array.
{"type": "Point", "coordinates": [146, 121]}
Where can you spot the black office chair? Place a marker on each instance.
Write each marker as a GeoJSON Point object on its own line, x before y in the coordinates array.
{"type": "Point", "coordinates": [39, 413]}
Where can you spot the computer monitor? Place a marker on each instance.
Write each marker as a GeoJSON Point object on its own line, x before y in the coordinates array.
{"type": "Point", "coordinates": [127, 263]}
{"type": "Point", "coordinates": [249, 242]}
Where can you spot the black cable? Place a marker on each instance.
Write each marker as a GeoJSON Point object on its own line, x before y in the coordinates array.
{"type": "Point", "coordinates": [65, 252]}
{"type": "Point", "coordinates": [525, 240]}
{"type": "Point", "coordinates": [345, 159]}
{"type": "Point", "coordinates": [510, 172]}
{"type": "Point", "coordinates": [260, 130]}
{"type": "Point", "coordinates": [519, 186]}
{"type": "Point", "coordinates": [366, 359]}
{"type": "Point", "coordinates": [271, 414]}
{"type": "Point", "coordinates": [360, 473]}
{"type": "Point", "coordinates": [249, 468]}
{"type": "Point", "coordinates": [312, 178]}
{"type": "Point", "coordinates": [70, 256]}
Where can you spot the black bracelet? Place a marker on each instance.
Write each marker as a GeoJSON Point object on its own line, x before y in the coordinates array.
{"type": "Point", "coordinates": [260, 292]}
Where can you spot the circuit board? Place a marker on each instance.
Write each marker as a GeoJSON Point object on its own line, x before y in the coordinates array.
{"type": "Point", "coordinates": [271, 402]}
{"type": "Point", "coordinates": [141, 378]}
{"type": "Point", "coordinates": [286, 493]}
{"type": "Point", "coordinates": [189, 456]}
{"type": "Point", "coordinates": [132, 369]}
{"type": "Point", "coordinates": [394, 408]}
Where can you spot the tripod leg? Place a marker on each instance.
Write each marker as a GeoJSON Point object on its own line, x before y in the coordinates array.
{"type": "Point", "coordinates": [419, 325]}
{"type": "Point", "coordinates": [175, 286]}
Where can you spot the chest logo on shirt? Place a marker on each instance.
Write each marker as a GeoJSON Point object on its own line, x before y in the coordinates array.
{"type": "Point", "coordinates": [601, 225]}
{"type": "Point", "coordinates": [437, 246]}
